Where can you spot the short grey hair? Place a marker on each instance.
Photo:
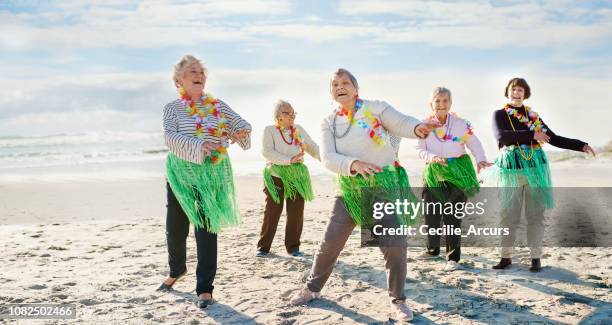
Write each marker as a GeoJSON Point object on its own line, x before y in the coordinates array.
{"type": "Point", "coordinates": [441, 91]}
{"type": "Point", "coordinates": [347, 73]}
{"type": "Point", "coordinates": [278, 106]}
{"type": "Point", "coordinates": [186, 61]}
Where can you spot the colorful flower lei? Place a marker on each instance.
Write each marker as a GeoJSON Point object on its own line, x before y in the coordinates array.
{"type": "Point", "coordinates": [296, 138]}
{"type": "Point", "coordinates": [533, 122]}
{"type": "Point", "coordinates": [445, 136]}
{"type": "Point", "coordinates": [204, 122]}
{"type": "Point", "coordinates": [371, 124]}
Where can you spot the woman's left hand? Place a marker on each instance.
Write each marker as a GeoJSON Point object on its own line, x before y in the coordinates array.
{"type": "Point", "coordinates": [482, 165]}
{"type": "Point", "coordinates": [240, 134]}
{"type": "Point", "coordinates": [588, 149]}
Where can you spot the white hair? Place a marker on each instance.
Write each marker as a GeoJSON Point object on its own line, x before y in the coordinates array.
{"type": "Point", "coordinates": [441, 91]}
{"type": "Point", "coordinates": [347, 73]}
{"type": "Point", "coordinates": [186, 61]}
{"type": "Point", "coordinates": [278, 106]}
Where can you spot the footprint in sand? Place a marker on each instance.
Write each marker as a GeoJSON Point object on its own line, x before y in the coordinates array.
{"type": "Point", "coordinates": [131, 255]}
{"type": "Point", "coordinates": [88, 302]}
{"type": "Point", "coordinates": [286, 293]}
{"type": "Point", "coordinates": [58, 297]}
{"type": "Point", "coordinates": [25, 254]}
{"type": "Point", "coordinates": [109, 247]}
{"type": "Point", "coordinates": [38, 287]}
{"type": "Point", "coordinates": [137, 300]}
{"type": "Point", "coordinates": [288, 314]}
{"type": "Point", "coordinates": [287, 322]}
{"type": "Point", "coordinates": [57, 288]}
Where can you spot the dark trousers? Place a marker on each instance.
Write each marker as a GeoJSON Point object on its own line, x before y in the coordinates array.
{"type": "Point", "coordinates": [272, 213]}
{"type": "Point", "coordinates": [433, 219]}
{"type": "Point", "coordinates": [177, 229]}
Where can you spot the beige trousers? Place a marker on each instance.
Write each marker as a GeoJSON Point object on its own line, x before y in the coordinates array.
{"type": "Point", "coordinates": [511, 217]}
{"type": "Point", "coordinates": [337, 233]}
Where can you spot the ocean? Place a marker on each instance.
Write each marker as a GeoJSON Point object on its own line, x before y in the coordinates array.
{"type": "Point", "coordinates": [105, 156]}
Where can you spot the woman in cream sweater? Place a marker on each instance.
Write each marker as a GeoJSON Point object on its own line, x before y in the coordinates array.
{"type": "Point", "coordinates": [357, 147]}
{"type": "Point", "coordinates": [286, 178]}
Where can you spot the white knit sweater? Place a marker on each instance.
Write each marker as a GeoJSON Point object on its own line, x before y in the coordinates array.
{"type": "Point", "coordinates": [276, 151]}
{"type": "Point", "coordinates": [339, 153]}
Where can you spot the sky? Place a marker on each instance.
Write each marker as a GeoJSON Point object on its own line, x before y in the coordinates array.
{"type": "Point", "coordinates": [72, 67]}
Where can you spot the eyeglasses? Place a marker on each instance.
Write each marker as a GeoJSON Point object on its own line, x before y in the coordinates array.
{"type": "Point", "coordinates": [290, 114]}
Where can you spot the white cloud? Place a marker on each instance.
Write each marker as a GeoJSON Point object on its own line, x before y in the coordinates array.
{"type": "Point", "coordinates": [317, 32]}
{"type": "Point", "coordinates": [177, 9]}
{"type": "Point", "coordinates": [123, 102]}
{"type": "Point", "coordinates": [481, 25]}
{"type": "Point", "coordinates": [146, 24]}
{"type": "Point", "coordinates": [165, 23]}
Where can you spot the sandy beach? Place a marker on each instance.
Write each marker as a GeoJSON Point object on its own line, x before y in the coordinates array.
{"type": "Point", "coordinates": [101, 245]}
{"type": "Point", "coordinates": [94, 95]}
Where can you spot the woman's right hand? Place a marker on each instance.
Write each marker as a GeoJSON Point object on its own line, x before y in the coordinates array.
{"type": "Point", "coordinates": [438, 160]}
{"type": "Point", "coordinates": [541, 137]}
{"type": "Point", "coordinates": [422, 130]}
{"type": "Point", "coordinates": [207, 148]}
{"type": "Point", "coordinates": [364, 169]}
{"type": "Point", "coordinates": [297, 158]}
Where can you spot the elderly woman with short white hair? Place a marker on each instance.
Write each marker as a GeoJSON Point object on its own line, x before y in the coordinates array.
{"type": "Point", "coordinates": [286, 178]}
{"type": "Point", "coordinates": [357, 147]}
{"type": "Point", "coordinates": [198, 129]}
{"type": "Point", "coordinates": [449, 175]}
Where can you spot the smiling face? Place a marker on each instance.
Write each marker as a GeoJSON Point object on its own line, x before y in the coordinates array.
{"type": "Point", "coordinates": [286, 116]}
{"type": "Point", "coordinates": [516, 94]}
{"type": "Point", "coordinates": [193, 80]}
{"type": "Point", "coordinates": [441, 105]}
{"type": "Point", "coordinates": [342, 90]}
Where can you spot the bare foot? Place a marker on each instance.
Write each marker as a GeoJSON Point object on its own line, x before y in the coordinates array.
{"type": "Point", "coordinates": [205, 296]}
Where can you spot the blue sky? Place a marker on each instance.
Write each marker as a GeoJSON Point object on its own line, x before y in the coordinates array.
{"type": "Point", "coordinates": [90, 66]}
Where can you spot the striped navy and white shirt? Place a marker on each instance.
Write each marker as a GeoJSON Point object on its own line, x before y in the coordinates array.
{"type": "Point", "coordinates": [179, 130]}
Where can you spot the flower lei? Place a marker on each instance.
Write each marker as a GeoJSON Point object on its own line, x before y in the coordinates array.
{"type": "Point", "coordinates": [370, 124]}
{"type": "Point", "coordinates": [532, 122]}
{"type": "Point", "coordinates": [204, 123]}
{"type": "Point", "coordinates": [296, 138]}
{"type": "Point", "coordinates": [445, 136]}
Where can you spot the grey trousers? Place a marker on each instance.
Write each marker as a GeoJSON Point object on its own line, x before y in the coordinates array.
{"type": "Point", "coordinates": [338, 230]}
{"type": "Point", "coordinates": [511, 217]}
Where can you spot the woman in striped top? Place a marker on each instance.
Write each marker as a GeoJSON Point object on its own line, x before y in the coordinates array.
{"type": "Point", "coordinates": [198, 129]}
